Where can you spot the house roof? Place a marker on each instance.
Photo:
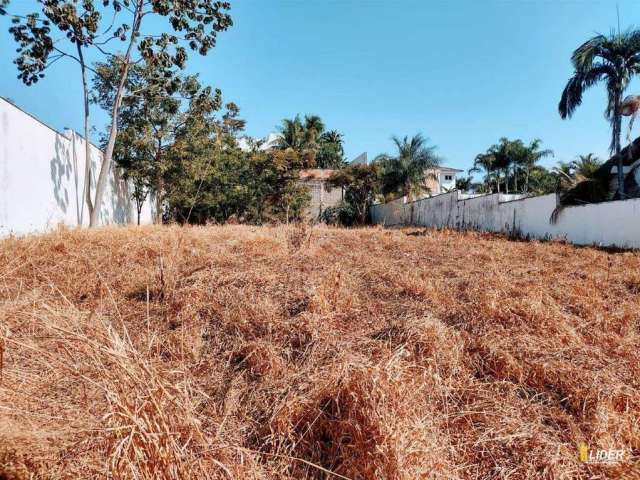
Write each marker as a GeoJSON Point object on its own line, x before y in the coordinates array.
{"type": "Point", "coordinates": [442, 168]}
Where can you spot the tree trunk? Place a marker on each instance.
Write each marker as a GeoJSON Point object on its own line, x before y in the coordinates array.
{"type": "Point", "coordinates": [86, 193]}
{"type": "Point", "coordinates": [113, 130]}
{"type": "Point", "coordinates": [515, 178]}
{"type": "Point", "coordinates": [617, 124]}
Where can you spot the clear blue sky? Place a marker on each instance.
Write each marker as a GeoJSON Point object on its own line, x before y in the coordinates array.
{"type": "Point", "coordinates": [464, 73]}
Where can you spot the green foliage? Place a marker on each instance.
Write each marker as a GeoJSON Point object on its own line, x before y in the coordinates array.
{"type": "Point", "coordinates": [84, 25]}
{"type": "Point", "coordinates": [464, 184]}
{"type": "Point", "coordinates": [155, 107]}
{"type": "Point", "coordinates": [361, 184]}
{"type": "Point", "coordinates": [509, 164]}
{"type": "Point", "coordinates": [612, 59]}
{"type": "Point", "coordinates": [331, 152]}
{"type": "Point", "coordinates": [405, 173]}
{"type": "Point", "coordinates": [343, 214]}
{"type": "Point", "coordinates": [586, 166]}
{"type": "Point", "coordinates": [252, 187]}
{"type": "Point", "coordinates": [316, 147]}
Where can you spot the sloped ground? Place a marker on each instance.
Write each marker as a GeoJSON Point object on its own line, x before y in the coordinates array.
{"type": "Point", "coordinates": [239, 352]}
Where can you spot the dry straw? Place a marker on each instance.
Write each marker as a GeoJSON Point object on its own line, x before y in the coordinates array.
{"type": "Point", "coordinates": [287, 353]}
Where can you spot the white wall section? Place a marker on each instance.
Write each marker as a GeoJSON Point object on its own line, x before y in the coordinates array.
{"type": "Point", "coordinates": [604, 224]}
{"type": "Point", "coordinates": [42, 178]}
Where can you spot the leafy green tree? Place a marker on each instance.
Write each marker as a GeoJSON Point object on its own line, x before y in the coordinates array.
{"type": "Point", "coordinates": [361, 184]}
{"type": "Point", "coordinates": [209, 181]}
{"type": "Point", "coordinates": [542, 181]}
{"type": "Point", "coordinates": [405, 173]}
{"type": "Point", "coordinates": [155, 104]}
{"type": "Point", "coordinates": [614, 60]}
{"type": "Point", "coordinates": [196, 22]}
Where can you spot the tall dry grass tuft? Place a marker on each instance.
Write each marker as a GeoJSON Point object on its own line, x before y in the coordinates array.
{"type": "Point", "coordinates": [113, 409]}
{"type": "Point", "coordinates": [297, 352]}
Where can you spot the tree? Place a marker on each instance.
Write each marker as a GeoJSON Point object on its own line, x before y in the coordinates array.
{"type": "Point", "coordinates": [512, 158]}
{"type": "Point", "coordinates": [612, 59]}
{"type": "Point", "coordinates": [37, 51]}
{"type": "Point", "coordinates": [197, 23]}
{"type": "Point", "coordinates": [406, 172]}
{"type": "Point", "coordinates": [527, 157]}
{"type": "Point", "coordinates": [308, 138]}
{"type": "Point", "coordinates": [586, 166]}
{"type": "Point", "coordinates": [331, 153]}
{"type": "Point", "coordinates": [156, 103]}
{"type": "Point", "coordinates": [564, 173]}
{"type": "Point", "coordinates": [498, 158]}
{"type": "Point", "coordinates": [361, 185]}
{"type": "Point", "coordinates": [464, 184]}
{"type": "Point", "coordinates": [484, 162]}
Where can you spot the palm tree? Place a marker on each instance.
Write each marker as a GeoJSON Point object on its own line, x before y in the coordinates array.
{"type": "Point", "coordinates": [406, 172]}
{"type": "Point", "coordinates": [331, 152]}
{"type": "Point", "coordinates": [586, 166]}
{"type": "Point", "coordinates": [565, 175]}
{"type": "Point", "coordinates": [484, 162]}
{"type": "Point", "coordinates": [612, 59]}
{"type": "Point", "coordinates": [313, 128]}
{"type": "Point", "coordinates": [498, 158]}
{"type": "Point", "coordinates": [302, 137]}
{"type": "Point", "coordinates": [529, 156]}
{"type": "Point", "coordinates": [291, 134]}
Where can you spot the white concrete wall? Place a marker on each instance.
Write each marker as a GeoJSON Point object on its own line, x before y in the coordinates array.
{"type": "Point", "coordinates": [42, 178]}
{"type": "Point", "coordinates": [607, 224]}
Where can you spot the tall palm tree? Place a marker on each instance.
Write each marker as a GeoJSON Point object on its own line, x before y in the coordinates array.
{"type": "Point", "coordinates": [612, 59]}
{"type": "Point", "coordinates": [484, 162]}
{"type": "Point", "coordinates": [406, 172]}
{"type": "Point", "coordinates": [529, 156]}
{"type": "Point", "coordinates": [498, 158]}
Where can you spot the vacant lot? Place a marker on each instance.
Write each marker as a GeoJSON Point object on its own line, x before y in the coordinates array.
{"type": "Point", "coordinates": [239, 352]}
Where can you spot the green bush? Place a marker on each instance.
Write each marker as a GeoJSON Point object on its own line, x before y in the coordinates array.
{"type": "Point", "coordinates": [343, 214]}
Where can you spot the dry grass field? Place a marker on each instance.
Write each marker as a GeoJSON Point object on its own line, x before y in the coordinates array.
{"type": "Point", "coordinates": [290, 353]}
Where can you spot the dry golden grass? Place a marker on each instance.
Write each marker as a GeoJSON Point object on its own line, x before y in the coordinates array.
{"type": "Point", "coordinates": [255, 353]}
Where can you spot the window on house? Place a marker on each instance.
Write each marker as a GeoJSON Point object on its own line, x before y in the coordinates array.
{"type": "Point", "coordinates": [448, 178]}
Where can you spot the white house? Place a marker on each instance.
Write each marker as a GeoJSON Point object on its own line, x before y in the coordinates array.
{"type": "Point", "coordinates": [441, 179]}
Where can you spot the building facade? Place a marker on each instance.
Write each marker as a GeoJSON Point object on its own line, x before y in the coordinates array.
{"type": "Point", "coordinates": [322, 196]}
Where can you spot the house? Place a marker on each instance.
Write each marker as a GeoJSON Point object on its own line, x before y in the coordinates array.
{"type": "Point", "coordinates": [441, 179]}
